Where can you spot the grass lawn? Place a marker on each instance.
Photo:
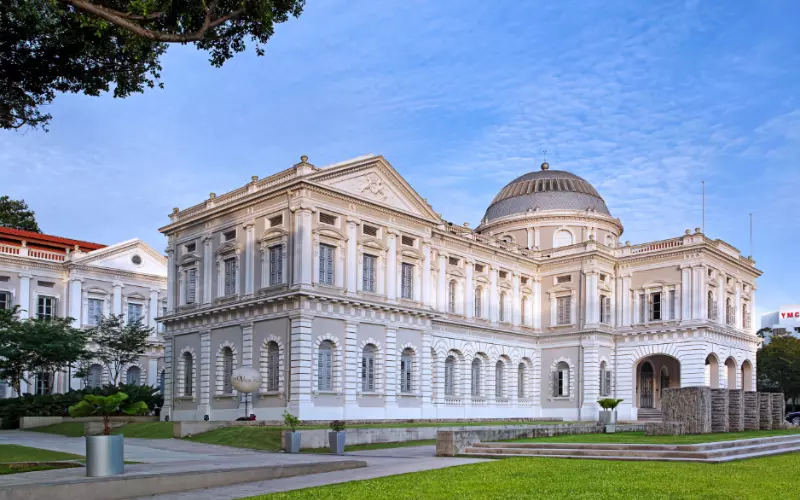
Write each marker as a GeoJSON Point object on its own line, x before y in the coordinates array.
{"type": "Point", "coordinates": [147, 430]}
{"type": "Point", "coordinates": [515, 478]}
{"type": "Point", "coordinates": [640, 438]}
{"type": "Point", "coordinates": [69, 429]}
{"type": "Point", "coordinates": [17, 453]}
{"type": "Point", "coordinates": [14, 469]}
{"type": "Point", "coordinates": [257, 438]}
{"type": "Point", "coordinates": [374, 446]}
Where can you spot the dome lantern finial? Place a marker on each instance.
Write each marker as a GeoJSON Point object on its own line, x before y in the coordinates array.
{"type": "Point", "coordinates": [545, 166]}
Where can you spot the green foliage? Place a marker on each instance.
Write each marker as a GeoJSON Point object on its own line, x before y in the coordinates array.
{"type": "Point", "coordinates": [93, 46]}
{"type": "Point", "coordinates": [290, 420]}
{"type": "Point", "coordinates": [338, 425]}
{"type": "Point", "coordinates": [764, 332]}
{"type": "Point", "coordinates": [779, 366]}
{"type": "Point", "coordinates": [15, 213]}
{"type": "Point", "coordinates": [609, 403]}
{"type": "Point", "coordinates": [119, 343]}
{"type": "Point", "coordinates": [106, 407]}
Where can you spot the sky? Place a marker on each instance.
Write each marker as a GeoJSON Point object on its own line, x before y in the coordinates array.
{"type": "Point", "coordinates": [645, 100]}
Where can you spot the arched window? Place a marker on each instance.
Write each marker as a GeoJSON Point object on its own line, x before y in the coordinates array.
{"type": "Point", "coordinates": [325, 366]}
{"type": "Point", "coordinates": [368, 368]}
{"type": "Point", "coordinates": [499, 380]}
{"type": "Point", "coordinates": [605, 379]}
{"type": "Point", "coordinates": [563, 238]}
{"type": "Point", "coordinates": [521, 380]}
{"type": "Point", "coordinates": [451, 297]}
{"type": "Point", "coordinates": [132, 377]}
{"type": "Point", "coordinates": [561, 380]}
{"type": "Point", "coordinates": [449, 376]}
{"type": "Point", "coordinates": [502, 306]}
{"type": "Point", "coordinates": [95, 378]}
{"type": "Point", "coordinates": [476, 377]}
{"type": "Point", "coordinates": [478, 299]}
{"type": "Point", "coordinates": [406, 371]}
{"type": "Point", "coordinates": [188, 374]}
{"type": "Point", "coordinates": [227, 370]}
{"type": "Point", "coordinates": [273, 363]}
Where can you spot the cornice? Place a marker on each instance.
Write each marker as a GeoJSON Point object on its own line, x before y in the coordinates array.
{"type": "Point", "coordinates": [533, 218]}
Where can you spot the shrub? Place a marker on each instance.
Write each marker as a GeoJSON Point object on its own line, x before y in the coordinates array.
{"type": "Point", "coordinates": [290, 420]}
{"type": "Point", "coordinates": [106, 407]}
{"type": "Point", "coordinates": [609, 403]}
{"type": "Point", "coordinates": [338, 425]}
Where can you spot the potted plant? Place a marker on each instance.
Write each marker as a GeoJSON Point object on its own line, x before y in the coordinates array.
{"type": "Point", "coordinates": [291, 439]}
{"type": "Point", "coordinates": [104, 454]}
{"type": "Point", "coordinates": [337, 436]}
{"type": "Point", "coordinates": [608, 416]}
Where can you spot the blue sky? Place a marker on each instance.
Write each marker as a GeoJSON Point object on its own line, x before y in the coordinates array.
{"type": "Point", "coordinates": [643, 99]}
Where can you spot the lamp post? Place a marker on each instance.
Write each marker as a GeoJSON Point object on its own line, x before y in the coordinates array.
{"type": "Point", "coordinates": [246, 380]}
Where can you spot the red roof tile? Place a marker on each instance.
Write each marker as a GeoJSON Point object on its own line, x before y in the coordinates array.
{"type": "Point", "coordinates": [32, 237]}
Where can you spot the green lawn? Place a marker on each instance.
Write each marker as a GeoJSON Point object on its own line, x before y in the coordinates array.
{"type": "Point", "coordinates": [69, 429]}
{"type": "Point", "coordinates": [374, 446]}
{"type": "Point", "coordinates": [640, 438]}
{"type": "Point", "coordinates": [257, 438]}
{"type": "Point", "coordinates": [518, 478]}
{"type": "Point", "coordinates": [17, 453]}
{"type": "Point", "coordinates": [147, 430]}
{"type": "Point", "coordinates": [18, 469]}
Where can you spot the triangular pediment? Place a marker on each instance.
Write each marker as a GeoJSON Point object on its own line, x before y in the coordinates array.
{"type": "Point", "coordinates": [133, 256]}
{"type": "Point", "coordinates": [372, 178]}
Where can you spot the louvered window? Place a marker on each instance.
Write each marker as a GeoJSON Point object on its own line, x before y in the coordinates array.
{"type": "Point", "coordinates": [605, 386]}
{"type": "Point", "coordinates": [605, 309]}
{"type": "Point", "coordinates": [561, 380]}
{"type": "Point", "coordinates": [655, 306]}
{"type": "Point", "coordinates": [369, 230]}
{"type": "Point", "coordinates": [227, 370]}
{"type": "Point", "coordinates": [407, 241]}
{"type": "Point", "coordinates": [453, 261]}
{"type": "Point", "coordinates": [95, 378]}
{"type": "Point", "coordinates": [369, 272]}
{"type": "Point", "coordinates": [276, 220]}
{"type": "Point", "coordinates": [521, 380]}
{"type": "Point", "coordinates": [327, 219]}
{"type": "Point", "coordinates": [478, 302]}
{"type": "Point", "coordinates": [188, 374]}
{"type": "Point", "coordinates": [95, 311]}
{"type": "Point", "coordinates": [230, 276]}
{"type": "Point", "coordinates": [276, 265]}
{"type": "Point", "coordinates": [499, 380]}
{"type": "Point", "coordinates": [191, 286]}
{"type": "Point", "coordinates": [133, 376]}
{"type": "Point", "coordinates": [407, 281]}
{"type": "Point", "coordinates": [326, 264]}
{"type": "Point", "coordinates": [406, 371]}
{"type": "Point", "coordinates": [673, 296]}
{"type": "Point", "coordinates": [564, 310]}
{"type": "Point", "coordinates": [135, 313]}
{"type": "Point", "coordinates": [502, 306]}
{"type": "Point", "coordinates": [567, 278]}
{"type": "Point", "coordinates": [642, 307]}
{"type": "Point", "coordinates": [325, 366]}
{"type": "Point", "coordinates": [273, 367]}
{"type": "Point", "coordinates": [449, 376]}
{"type": "Point", "coordinates": [368, 368]}
{"type": "Point", "coordinates": [476, 377]}
{"type": "Point", "coordinates": [451, 297]}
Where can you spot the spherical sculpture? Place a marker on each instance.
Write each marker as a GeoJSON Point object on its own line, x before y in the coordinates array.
{"type": "Point", "coordinates": [246, 379]}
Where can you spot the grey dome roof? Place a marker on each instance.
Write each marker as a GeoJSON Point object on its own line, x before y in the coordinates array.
{"type": "Point", "coordinates": [545, 190]}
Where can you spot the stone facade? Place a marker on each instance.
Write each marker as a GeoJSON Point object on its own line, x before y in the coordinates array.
{"type": "Point", "coordinates": [778, 410]}
{"type": "Point", "coordinates": [356, 300]}
{"type": "Point", "coordinates": [665, 429]}
{"type": "Point", "coordinates": [719, 410]}
{"type": "Point", "coordinates": [752, 411]}
{"type": "Point", "coordinates": [735, 410]}
{"type": "Point", "coordinates": [765, 410]}
{"type": "Point", "coordinates": [690, 406]}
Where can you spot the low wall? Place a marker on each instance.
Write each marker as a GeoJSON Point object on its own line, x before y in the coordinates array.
{"type": "Point", "coordinates": [32, 422]}
{"type": "Point", "coordinates": [752, 411]}
{"type": "Point", "coordinates": [778, 410]}
{"type": "Point", "coordinates": [690, 406]}
{"type": "Point", "coordinates": [664, 429]}
{"type": "Point", "coordinates": [765, 410]}
{"type": "Point", "coordinates": [735, 410]}
{"type": "Point", "coordinates": [450, 443]}
{"type": "Point", "coordinates": [719, 410]}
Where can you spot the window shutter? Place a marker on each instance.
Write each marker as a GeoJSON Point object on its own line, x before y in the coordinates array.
{"type": "Point", "coordinates": [607, 309]}
{"type": "Point", "coordinates": [608, 383]}
{"type": "Point", "coordinates": [554, 388]}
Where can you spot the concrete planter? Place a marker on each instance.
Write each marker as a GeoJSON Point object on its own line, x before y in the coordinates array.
{"type": "Point", "coordinates": [608, 417]}
{"type": "Point", "coordinates": [337, 442]}
{"type": "Point", "coordinates": [291, 442]}
{"type": "Point", "coordinates": [104, 456]}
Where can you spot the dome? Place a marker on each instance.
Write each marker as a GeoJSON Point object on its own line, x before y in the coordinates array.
{"type": "Point", "coordinates": [545, 190]}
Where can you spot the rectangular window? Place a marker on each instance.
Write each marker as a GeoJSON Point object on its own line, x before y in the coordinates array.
{"type": "Point", "coordinates": [191, 286]}
{"type": "Point", "coordinates": [190, 247]}
{"type": "Point", "coordinates": [503, 275]}
{"type": "Point", "coordinates": [368, 272]}
{"type": "Point", "coordinates": [276, 220]}
{"type": "Point", "coordinates": [407, 241]}
{"type": "Point", "coordinates": [46, 307]}
{"type": "Point", "coordinates": [407, 281]}
{"type": "Point", "coordinates": [135, 312]}
{"type": "Point", "coordinates": [328, 219]}
{"type": "Point", "coordinates": [369, 230]}
{"type": "Point", "coordinates": [229, 235]}
{"type": "Point", "coordinates": [230, 276]}
{"type": "Point", "coordinates": [605, 309]}
{"type": "Point", "coordinates": [5, 279]}
{"type": "Point", "coordinates": [276, 265]}
{"type": "Point", "coordinates": [564, 310]}
{"type": "Point", "coordinates": [453, 261]}
{"type": "Point", "coordinates": [95, 312]}
{"type": "Point", "coordinates": [326, 264]}
{"type": "Point", "coordinates": [655, 306]}
{"type": "Point", "coordinates": [478, 268]}
{"type": "Point", "coordinates": [5, 300]}
{"type": "Point", "coordinates": [45, 284]}
{"type": "Point", "coordinates": [642, 307]}
{"type": "Point", "coordinates": [523, 280]}
{"type": "Point", "coordinates": [564, 279]}
{"type": "Point", "coordinates": [406, 385]}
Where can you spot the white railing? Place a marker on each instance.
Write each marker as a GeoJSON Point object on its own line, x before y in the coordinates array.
{"type": "Point", "coordinates": [10, 250]}
{"type": "Point", "coordinates": [525, 401]}
{"type": "Point", "coordinates": [479, 401]}
{"type": "Point", "coordinates": [452, 401]}
{"type": "Point", "coordinates": [502, 402]}
{"type": "Point", "coordinates": [33, 253]}
{"type": "Point", "coordinates": [658, 245]}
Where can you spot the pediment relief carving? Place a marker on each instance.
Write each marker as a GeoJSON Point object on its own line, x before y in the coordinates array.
{"type": "Point", "coordinates": [97, 291]}
{"type": "Point", "coordinates": [273, 233]}
{"type": "Point", "coordinates": [189, 258]}
{"type": "Point", "coordinates": [373, 243]}
{"type": "Point", "coordinates": [562, 288]}
{"type": "Point", "coordinates": [135, 296]}
{"type": "Point", "coordinates": [407, 252]}
{"type": "Point", "coordinates": [456, 273]}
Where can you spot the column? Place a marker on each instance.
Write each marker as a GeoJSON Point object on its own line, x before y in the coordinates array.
{"type": "Point", "coordinates": [247, 360]}
{"type": "Point", "coordinates": [531, 237]}
{"type": "Point", "coordinates": [166, 409]}
{"type": "Point", "coordinates": [351, 370]}
{"type": "Point", "coordinates": [469, 291]}
{"type": "Point", "coordinates": [24, 295]}
{"type": "Point", "coordinates": [686, 293]}
{"type": "Point", "coordinates": [753, 326]}
{"type": "Point", "coordinates": [75, 301]}
{"type": "Point", "coordinates": [153, 310]}
{"type": "Point", "coordinates": [117, 298]}
{"type": "Point", "coordinates": [697, 292]}
{"type": "Point", "coordinates": [351, 266]}
{"type": "Point", "coordinates": [618, 301]}
{"type": "Point", "coordinates": [426, 375]}
{"type": "Point", "coordinates": [637, 307]}
{"type": "Point", "coordinates": [738, 304]}
{"type": "Point", "coordinates": [592, 307]}
{"type": "Point", "coordinates": [205, 374]}
{"type": "Point", "coordinates": [427, 298]}
{"type": "Point", "coordinates": [494, 295]}
{"type": "Point", "coordinates": [553, 310]}
{"type": "Point", "coordinates": [152, 372]}
{"type": "Point", "coordinates": [721, 298]}
{"type": "Point", "coordinates": [441, 288]}
{"type": "Point", "coordinates": [172, 280]}
{"type": "Point", "coordinates": [300, 365]}
{"type": "Point", "coordinates": [573, 313]}
{"type": "Point", "coordinates": [537, 238]}
{"type": "Point", "coordinates": [625, 298]}
{"type": "Point", "coordinates": [391, 369]}
{"type": "Point", "coordinates": [303, 248]}
{"type": "Point", "coordinates": [439, 382]}
{"type": "Point", "coordinates": [208, 276]}
{"type": "Point", "coordinates": [249, 271]}
{"type": "Point", "coordinates": [516, 305]}
{"type": "Point", "coordinates": [537, 302]}
{"type": "Point", "coordinates": [591, 381]}
{"type": "Point", "coordinates": [391, 266]}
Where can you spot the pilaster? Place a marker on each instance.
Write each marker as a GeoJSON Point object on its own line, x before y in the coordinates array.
{"type": "Point", "coordinates": [172, 278]}
{"type": "Point", "coordinates": [249, 259]}
{"type": "Point", "coordinates": [469, 289]}
{"type": "Point", "coordinates": [166, 410]}
{"type": "Point", "coordinates": [441, 287]}
{"type": "Point", "coordinates": [351, 370]}
{"type": "Point", "coordinates": [303, 248]}
{"type": "Point", "coordinates": [427, 296]}
{"type": "Point", "coordinates": [205, 374]}
{"type": "Point", "coordinates": [24, 295]}
{"type": "Point", "coordinates": [247, 357]}
{"type": "Point", "coordinates": [75, 285]}
{"type": "Point", "coordinates": [686, 293]}
{"type": "Point", "coordinates": [208, 262]}
{"type": "Point", "coordinates": [516, 300]}
{"type": "Point", "coordinates": [117, 299]}
{"type": "Point", "coordinates": [351, 283]}
{"type": "Point", "coordinates": [391, 266]}
{"type": "Point", "coordinates": [391, 368]}
{"type": "Point", "coordinates": [537, 302]}
{"type": "Point", "coordinates": [426, 374]}
{"type": "Point", "coordinates": [153, 310]}
{"type": "Point", "coordinates": [300, 367]}
{"type": "Point", "coordinates": [494, 295]}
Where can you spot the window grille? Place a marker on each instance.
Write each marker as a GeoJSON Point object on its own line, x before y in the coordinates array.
{"type": "Point", "coordinates": [328, 219]}
{"type": "Point", "coordinates": [564, 310]}
{"type": "Point", "coordinates": [406, 371]}
{"type": "Point", "coordinates": [655, 306]}
{"type": "Point", "coordinates": [229, 235]}
{"type": "Point", "coordinates": [369, 267]}
{"type": "Point", "coordinates": [478, 300]}
{"type": "Point", "coordinates": [453, 261]}
{"type": "Point", "coordinates": [479, 268]}
{"type": "Point", "coordinates": [273, 367]}
{"type": "Point", "coordinates": [188, 374]}
{"type": "Point", "coordinates": [567, 278]}
{"type": "Point", "coordinates": [407, 241]}
{"type": "Point", "coordinates": [276, 220]}
{"type": "Point", "coordinates": [191, 286]}
{"type": "Point", "coordinates": [230, 276]}
{"type": "Point", "coordinates": [521, 381]}
{"type": "Point", "coordinates": [276, 265]}
{"type": "Point", "coordinates": [368, 368]}
{"type": "Point", "coordinates": [325, 366]}
{"type": "Point", "coordinates": [476, 377]}
{"type": "Point", "coordinates": [326, 264]}
{"type": "Point", "coordinates": [407, 281]}
{"type": "Point", "coordinates": [451, 299]}
{"type": "Point", "coordinates": [95, 311]}
{"type": "Point", "coordinates": [369, 230]}
{"type": "Point", "coordinates": [46, 307]}
{"type": "Point", "coordinates": [499, 380]}
{"type": "Point", "coordinates": [227, 370]}
{"type": "Point", "coordinates": [449, 376]}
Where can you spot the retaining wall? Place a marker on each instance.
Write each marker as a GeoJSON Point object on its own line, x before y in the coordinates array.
{"type": "Point", "coordinates": [752, 411]}
{"type": "Point", "coordinates": [765, 410]}
{"type": "Point", "coordinates": [778, 410]}
{"type": "Point", "coordinates": [690, 406]}
{"type": "Point", "coordinates": [32, 422]}
{"type": "Point", "coordinates": [719, 410]}
{"type": "Point", "coordinates": [664, 429]}
{"type": "Point", "coordinates": [735, 410]}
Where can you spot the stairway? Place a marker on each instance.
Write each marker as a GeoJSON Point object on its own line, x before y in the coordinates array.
{"type": "Point", "coordinates": [649, 415]}
{"type": "Point", "coordinates": [723, 451]}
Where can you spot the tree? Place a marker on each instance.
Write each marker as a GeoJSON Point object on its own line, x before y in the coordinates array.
{"type": "Point", "coordinates": [15, 213]}
{"type": "Point", "coordinates": [764, 332]}
{"type": "Point", "coordinates": [779, 366]}
{"type": "Point", "coordinates": [119, 343]}
{"type": "Point", "coordinates": [88, 46]}
{"type": "Point", "coordinates": [106, 407]}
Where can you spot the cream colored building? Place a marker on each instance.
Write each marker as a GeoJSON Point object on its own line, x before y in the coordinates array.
{"type": "Point", "coordinates": [356, 300]}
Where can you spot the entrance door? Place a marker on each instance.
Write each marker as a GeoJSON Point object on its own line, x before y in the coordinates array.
{"type": "Point", "coordinates": [646, 386]}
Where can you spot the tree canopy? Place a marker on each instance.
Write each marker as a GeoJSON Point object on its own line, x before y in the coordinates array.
{"type": "Point", "coordinates": [90, 46]}
{"type": "Point", "coordinates": [16, 214]}
{"type": "Point", "coordinates": [119, 343]}
{"type": "Point", "coordinates": [779, 365]}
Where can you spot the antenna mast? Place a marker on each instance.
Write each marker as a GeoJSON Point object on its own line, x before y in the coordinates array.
{"type": "Point", "coordinates": [704, 206]}
{"type": "Point", "coordinates": [751, 235]}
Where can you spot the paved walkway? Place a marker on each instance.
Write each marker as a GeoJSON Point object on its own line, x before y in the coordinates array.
{"type": "Point", "coordinates": [175, 455]}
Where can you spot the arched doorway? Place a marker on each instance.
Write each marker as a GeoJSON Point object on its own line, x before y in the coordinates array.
{"type": "Point", "coordinates": [712, 371]}
{"type": "Point", "coordinates": [747, 375]}
{"type": "Point", "coordinates": [654, 374]}
{"type": "Point", "coordinates": [646, 385]}
{"type": "Point", "coordinates": [730, 368]}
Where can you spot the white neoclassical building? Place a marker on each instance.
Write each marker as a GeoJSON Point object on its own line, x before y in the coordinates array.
{"type": "Point", "coordinates": [356, 300]}
{"type": "Point", "coordinates": [49, 275]}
